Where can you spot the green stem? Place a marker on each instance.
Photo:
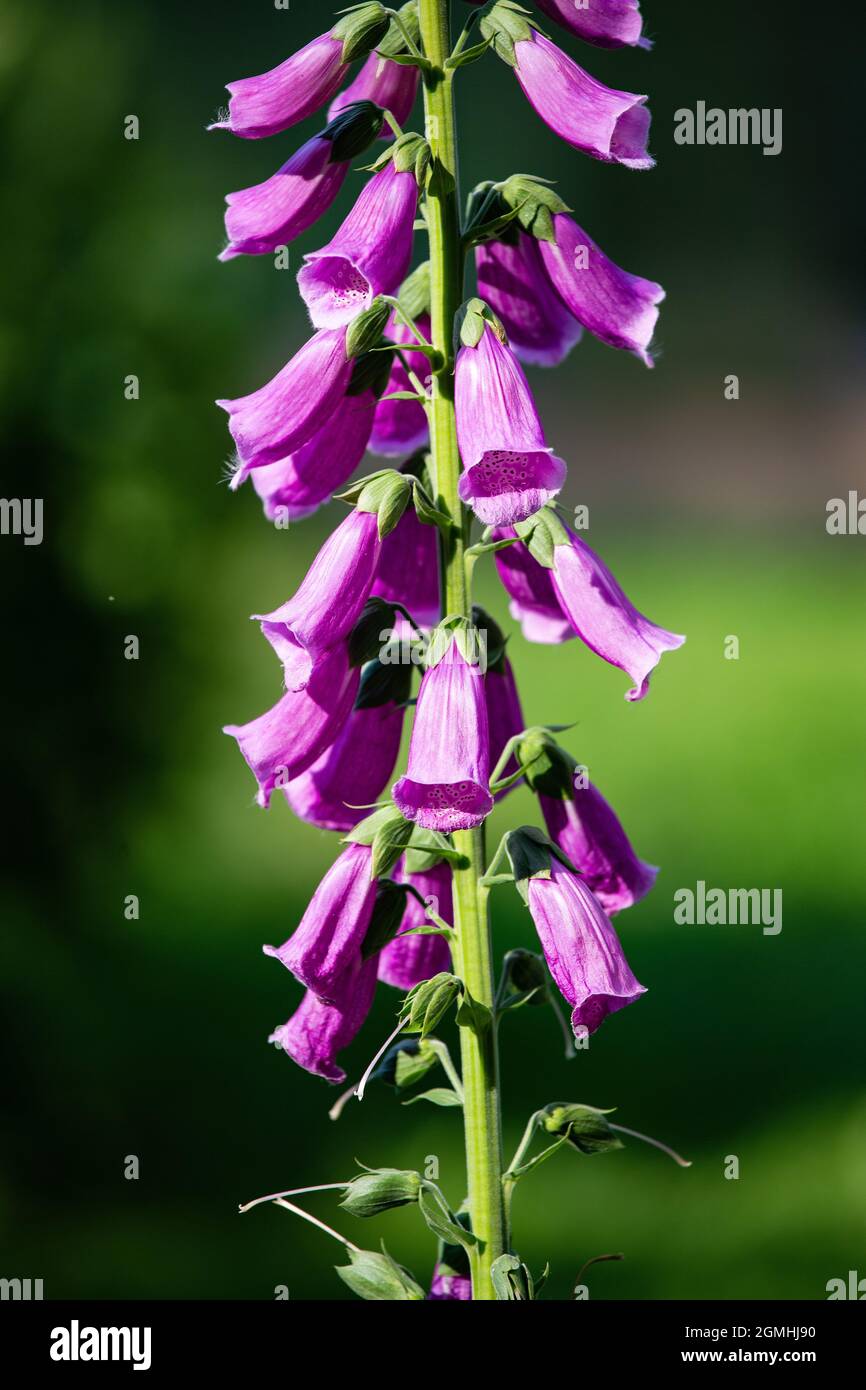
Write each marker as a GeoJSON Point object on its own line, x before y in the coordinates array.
{"type": "Point", "coordinates": [472, 952]}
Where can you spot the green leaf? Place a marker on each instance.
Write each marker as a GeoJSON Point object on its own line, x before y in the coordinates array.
{"type": "Point", "coordinates": [428, 514]}
{"type": "Point", "coordinates": [511, 1280]}
{"type": "Point", "coordinates": [441, 1220]}
{"type": "Point", "coordinates": [439, 1095]}
{"type": "Point", "coordinates": [377, 1278]}
{"type": "Point", "coordinates": [468, 55]}
{"type": "Point", "coordinates": [514, 1174]}
{"type": "Point", "coordinates": [412, 1066]}
{"type": "Point", "coordinates": [471, 1013]}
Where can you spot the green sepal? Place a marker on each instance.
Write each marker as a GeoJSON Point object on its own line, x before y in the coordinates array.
{"type": "Point", "coordinates": [455, 628]}
{"type": "Point", "coordinates": [496, 641]}
{"type": "Point", "coordinates": [512, 1280]}
{"type": "Point", "coordinates": [470, 321]}
{"type": "Point", "coordinates": [428, 848]}
{"type": "Point", "coordinates": [468, 55]}
{"type": "Point", "coordinates": [549, 768]}
{"type": "Point", "coordinates": [428, 514]}
{"type": "Point", "coordinates": [385, 492]}
{"type": "Point", "coordinates": [394, 44]}
{"type": "Point", "coordinates": [414, 293]}
{"type": "Point", "coordinates": [377, 1278]}
{"type": "Point", "coordinates": [441, 1220]}
{"type": "Point", "coordinates": [388, 908]}
{"type": "Point", "coordinates": [439, 1095]}
{"type": "Point", "coordinates": [379, 1189]}
{"type": "Point", "coordinates": [428, 1003]}
{"type": "Point", "coordinates": [439, 180]}
{"type": "Point", "coordinates": [471, 1013]}
{"type": "Point", "coordinates": [504, 26]}
{"type": "Point", "coordinates": [366, 329]}
{"type": "Point", "coordinates": [384, 683]}
{"type": "Point", "coordinates": [534, 203]}
{"type": "Point", "coordinates": [583, 1126]}
{"type": "Point", "coordinates": [387, 833]}
{"type": "Point", "coordinates": [353, 130]}
{"type": "Point", "coordinates": [361, 29]}
{"type": "Point", "coordinates": [541, 534]}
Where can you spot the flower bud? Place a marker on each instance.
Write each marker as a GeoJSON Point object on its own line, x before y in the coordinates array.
{"type": "Point", "coordinates": [428, 1003]}
{"type": "Point", "coordinates": [374, 1276]}
{"type": "Point", "coordinates": [361, 29]}
{"type": "Point", "coordinates": [380, 1189]}
{"type": "Point", "coordinates": [587, 1128]}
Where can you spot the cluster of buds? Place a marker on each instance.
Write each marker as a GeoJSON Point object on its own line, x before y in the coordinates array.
{"type": "Point", "coordinates": [365, 380]}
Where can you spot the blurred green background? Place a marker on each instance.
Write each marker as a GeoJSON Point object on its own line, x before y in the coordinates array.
{"type": "Point", "coordinates": [148, 1037]}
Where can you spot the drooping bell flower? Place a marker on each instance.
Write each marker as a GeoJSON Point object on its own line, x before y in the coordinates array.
{"type": "Point", "coordinates": [400, 427]}
{"type": "Point", "coordinates": [298, 485]}
{"type": "Point", "coordinates": [514, 282]}
{"type": "Point", "coordinates": [609, 125]}
{"type": "Point", "coordinates": [284, 741]}
{"type": "Point", "coordinates": [407, 960]}
{"type": "Point", "coordinates": [275, 100]}
{"type": "Point", "coordinates": [355, 770]}
{"type": "Point", "coordinates": [332, 930]}
{"type": "Point", "coordinates": [317, 1032]}
{"type": "Point", "coordinates": [408, 569]}
{"type": "Point", "coordinates": [581, 947]}
{"type": "Point", "coordinates": [392, 86]}
{"type": "Point", "coordinates": [586, 829]}
{"type": "Point", "coordinates": [607, 23]}
{"type": "Point", "coordinates": [509, 471]}
{"type": "Point", "coordinates": [617, 307]}
{"type": "Point", "coordinates": [504, 715]}
{"type": "Point", "coordinates": [582, 824]}
{"type": "Point", "coordinates": [370, 253]}
{"type": "Point", "coordinates": [595, 605]}
{"type": "Point", "coordinates": [446, 783]}
{"type": "Point", "coordinates": [329, 601]}
{"type": "Point", "coordinates": [270, 423]}
{"type": "Point", "coordinates": [533, 598]}
{"type": "Point", "coordinates": [274, 213]}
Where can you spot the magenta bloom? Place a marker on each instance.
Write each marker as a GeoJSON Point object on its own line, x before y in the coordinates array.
{"type": "Point", "coordinates": [450, 1286]}
{"type": "Point", "coordinates": [504, 715]}
{"type": "Point", "coordinates": [608, 23]}
{"type": "Point", "coordinates": [298, 485]}
{"type": "Point", "coordinates": [533, 598]}
{"type": "Point", "coordinates": [587, 830]}
{"type": "Point", "coordinates": [316, 1032]}
{"type": "Point", "coordinates": [607, 124]}
{"type": "Point", "coordinates": [408, 569]}
{"type": "Point", "coordinates": [509, 470]}
{"type": "Point", "coordinates": [400, 427]}
{"type": "Point", "coordinates": [281, 416]}
{"type": "Point", "coordinates": [286, 740]}
{"type": "Point", "coordinates": [332, 930]}
{"type": "Point", "coordinates": [619, 308]}
{"type": "Point", "coordinates": [604, 618]}
{"type": "Point", "coordinates": [390, 85]}
{"type": "Point", "coordinates": [581, 948]}
{"type": "Point", "coordinates": [353, 772]}
{"type": "Point", "coordinates": [514, 282]}
{"type": "Point", "coordinates": [273, 213]}
{"type": "Point", "coordinates": [329, 602]}
{"type": "Point", "coordinates": [407, 960]}
{"type": "Point", "coordinates": [446, 782]}
{"type": "Point", "coordinates": [275, 100]}
{"type": "Point", "coordinates": [369, 255]}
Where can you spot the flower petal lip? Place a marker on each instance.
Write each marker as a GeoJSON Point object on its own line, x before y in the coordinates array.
{"type": "Point", "coordinates": [316, 1032]}
{"type": "Point", "coordinates": [514, 282]}
{"type": "Point", "coordinates": [299, 484]}
{"type": "Point", "coordinates": [504, 487]}
{"type": "Point", "coordinates": [607, 23]}
{"type": "Point", "coordinates": [581, 947]}
{"type": "Point", "coordinates": [446, 783]}
{"type": "Point", "coordinates": [368, 256]}
{"type": "Point", "coordinates": [604, 618]}
{"type": "Point", "coordinates": [270, 423]}
{"type": "Point", "coordinates": [284, 741]}
{"type": "Point", "coordinates": [331, 933]}
{"type": "Point", "coordinates": [618, 308]}
{"type": "Point", "coordinates": [608, 124]}
{"type": "Point", "coordinates": [274, 213]}
{"type": "Point", "coordinates": [273, 101]}
{"type": "Point", "coordinates": [329, 601]}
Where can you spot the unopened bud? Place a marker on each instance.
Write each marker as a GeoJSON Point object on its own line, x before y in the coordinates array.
{"type": "Point", "coordinates": [379, 1190]}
